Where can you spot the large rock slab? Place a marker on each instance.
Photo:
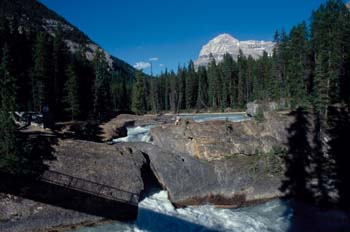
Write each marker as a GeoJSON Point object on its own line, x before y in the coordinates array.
{"type": "Point", "coordinates": [215, 140]}
{"type": "Point", "coordinates": [238, 181]}
{"type": "Point", "coordinates": [100, 163]}
{"type": "Point", "coordinates": [95, 162]}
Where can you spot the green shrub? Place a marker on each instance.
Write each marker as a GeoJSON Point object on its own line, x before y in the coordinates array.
{"type": "Point", "coordinates": [269, 163]}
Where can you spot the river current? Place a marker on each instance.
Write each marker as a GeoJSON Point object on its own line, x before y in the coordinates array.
{"type": "Point", "coordinates": [156, 213]}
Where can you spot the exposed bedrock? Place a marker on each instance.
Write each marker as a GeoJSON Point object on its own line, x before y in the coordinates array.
{"type": "Point", "coordinates": [238, 181]}
{"type": "Point", "coordinates": [215, 140]}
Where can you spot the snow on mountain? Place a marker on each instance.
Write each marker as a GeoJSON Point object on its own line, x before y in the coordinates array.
{"type": "Point", "coordinates": [225, 43]}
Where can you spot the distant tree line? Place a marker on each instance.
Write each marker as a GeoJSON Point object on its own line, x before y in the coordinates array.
{"type": "Point", "coordinates": [309, 66]}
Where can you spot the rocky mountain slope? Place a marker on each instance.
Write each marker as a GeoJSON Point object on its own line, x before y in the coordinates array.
{"type": "Point", "coordinates": [33, 15]}
{"type": "Point", "coordinates": [225, 43]}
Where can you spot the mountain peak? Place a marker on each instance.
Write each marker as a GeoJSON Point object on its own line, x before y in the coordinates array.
{"type": "Point", "coordinates": [226, 43]}
{"type": "Point", "coordinates": [225, 37]}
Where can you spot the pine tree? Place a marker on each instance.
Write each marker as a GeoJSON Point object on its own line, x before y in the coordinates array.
{"type": "Point", "coordinates": [329, 32]}
{"type": "Point", "coordinates": [280, 63]}
{"type": "Point", "coordinates": [9, 147]}
{"type": "Point", "coordinates": [214, 84]}
{"type": "Point", "coordinates": [87, 75]}
{"type": "Point", "coordinates": [297, 70]}
{"type": "Point", "coordinates": [276, 69]}
{"type": "Point", "coordinates": [251, 82]}
{"type": "Point", "coordinates": [138, 95]}
{"type": "Point", "coordinates": [202, 98]}
{"type": "Point", "coordinates": [119, 92]}
{"type": "Point", "coordinates": [181, 76]}
{"type": "Point", "coordinates": [59, 64]}
{"type": "Point", "coordinates": [191, 86]}
{"type": "Point", "coordinates": [227, 76]}
{"type": "Point", "coordinates": [72, 93]}
{"type": "Point", "coordinates": [154, 95]}
{"type": "Point", "coordinates": [241, 84]}
{"type": "Point", "coordinates": [174, 92]}
{"type": "Point", "coordinates": [320, 88]}
{"type": "Point", "coordinates": [102, 95]}
{"type": "Point", "coordinates": [41, 73]}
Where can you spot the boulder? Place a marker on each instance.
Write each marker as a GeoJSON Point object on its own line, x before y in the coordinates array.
{"type": "Point", "coordinates": [238, 181]}
{"type": "Point", "coordinates": [100, 163]}
{"type": "Point", "coordinates": [62, 207]}
{"type": "Point", "coordinates": [215, 140]}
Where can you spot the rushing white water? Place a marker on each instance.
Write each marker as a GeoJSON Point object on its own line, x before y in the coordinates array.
{"type": "Point", "coordinates": [137, 134]}
{"type": "Point", "coordinates": [156, 213]}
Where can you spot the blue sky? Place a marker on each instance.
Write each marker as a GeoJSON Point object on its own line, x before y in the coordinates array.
{"type": "Point", "coordinates": [173, 32]}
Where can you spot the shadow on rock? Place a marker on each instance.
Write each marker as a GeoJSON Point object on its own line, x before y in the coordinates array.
{"type": "Point", "coordinates": [317, 171]}
{"type": "Point", "coordinates": [297, 158]}
{"type": "Point", "coordinates": [338, 132]}
{"type": "Point", "coordinates": [75, 194]}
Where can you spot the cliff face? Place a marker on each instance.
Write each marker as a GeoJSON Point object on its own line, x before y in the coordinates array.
{"type": "Point", "coordinates": [226, 44]}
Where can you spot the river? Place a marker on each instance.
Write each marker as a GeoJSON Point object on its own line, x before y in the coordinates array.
{"type": "Point", "coordinates": [156, 213]}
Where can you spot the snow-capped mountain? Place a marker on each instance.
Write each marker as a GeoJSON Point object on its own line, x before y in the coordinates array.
{"type": "Point", "coordinates": [225, 43]}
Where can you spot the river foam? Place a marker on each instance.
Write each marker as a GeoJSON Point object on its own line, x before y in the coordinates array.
{"type": "Point", "coordinates": [136, 134]}
{"type": "Point", "coordinates": [156, 213]}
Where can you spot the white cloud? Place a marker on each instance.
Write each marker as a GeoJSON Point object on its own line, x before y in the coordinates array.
{"type": "Point", "coordinates": [142, 65]}
{"type": "Point", "coordinates": [348, 4]}
{"type": "Point", "coordinates": [161, 65]}
{"type": "Point", "coordinates": [154, 59]}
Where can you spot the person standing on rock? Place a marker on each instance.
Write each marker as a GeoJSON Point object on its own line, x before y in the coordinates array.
{"type": "Point", "coordinates": [177, 120]}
